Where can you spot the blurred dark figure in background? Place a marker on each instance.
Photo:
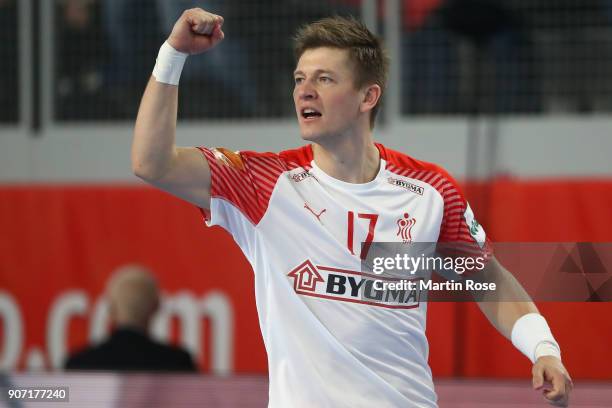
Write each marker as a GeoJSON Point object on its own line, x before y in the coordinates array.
{"type": "Point", "coordinates": [133, 31]}
{"type": "Point", "coordinates": [459, 56]}
{"type": "Point", "coordinates": [607, 4]}
{"type": "Point", "coordinates": [8, 55]}
{"type": "Point", "coordinates": [82, 53]}
{"type": "Point", "coordinates": [575, 53]}
{"type": "Point", "coordinates": [273, 43]}
{"type": "Point", "coordinates": [429, 57]}
{"type": "Point", "coordinates": [502, 75]}
{"type": "Point", "coordinates": [133, 297]}
{"type": "Point", "coordinates": [226, 70]}
{"type": "Point", "coordinates": [109, 43]}
{"type": "Point", "coordinates": [466, 56]}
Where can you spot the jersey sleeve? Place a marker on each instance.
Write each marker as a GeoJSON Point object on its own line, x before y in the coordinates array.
{"type": "Point", "coordinates": [241, 186]}
{"type": "Point", "coordinates": [461, 235]}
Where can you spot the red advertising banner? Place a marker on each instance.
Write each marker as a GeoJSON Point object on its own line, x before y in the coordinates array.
{"type": "Point", "coordinates": [59, 245]}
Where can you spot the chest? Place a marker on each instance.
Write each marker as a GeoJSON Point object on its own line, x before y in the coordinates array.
{"type": "Point", "coordinates": [394, 209]}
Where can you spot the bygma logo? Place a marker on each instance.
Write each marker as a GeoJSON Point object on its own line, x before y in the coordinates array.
{"type": "Point", "coordinates": [350, 286]}
{"type": "Point", "coordinates": [408, 186]}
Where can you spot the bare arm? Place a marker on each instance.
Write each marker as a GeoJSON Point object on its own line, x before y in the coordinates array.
{"type": "Point", "coordinates": [155, 158]}
{"type": "Point", "coordinates": [181, 171]}
{"type": "Point", "coordinates": [503, 309]}
{"type": "Point", "coordinates": [510, 302]}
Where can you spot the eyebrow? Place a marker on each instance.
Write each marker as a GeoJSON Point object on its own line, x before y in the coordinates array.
{"type": "Point", "coordinates": [316, 72]}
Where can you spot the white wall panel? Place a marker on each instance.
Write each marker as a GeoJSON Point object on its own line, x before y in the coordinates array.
{"type": "Point", "coordinates": [550, 147]}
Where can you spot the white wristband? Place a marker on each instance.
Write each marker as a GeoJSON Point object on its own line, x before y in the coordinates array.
{"type": "Point", "coordinates": [532, 336]}
{"type": "Point", "coordinates": [169, 64]}
{"type": "Point", "coordinates": [546, 348]}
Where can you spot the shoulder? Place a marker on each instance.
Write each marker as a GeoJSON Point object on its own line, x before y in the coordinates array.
{"type": "Point", "coordinates": [173, 356]}
{"type": "Point", "coordinates": [168, 349]}
{"type": "Point", "coordinates": [402, 161]}
{"type": "Point", "coordinates": [437, 177]}
{"type": "Point", "coordinates": [299, 157]}
{"type": "Point", "coordinates": [241, 160]}
{"type": "Point", "coordinates": [286, 159]}
{"type": "Point", "coordinates": [85, 357]}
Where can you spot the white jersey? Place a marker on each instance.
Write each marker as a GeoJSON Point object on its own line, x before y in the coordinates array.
{"type": "Point", "coordinates": [332, 340]}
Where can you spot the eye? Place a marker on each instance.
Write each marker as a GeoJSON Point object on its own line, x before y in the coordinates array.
{"type": "Point", "coordinates": [298, 80]}
{"type": "Point", "coordinates": [325, 79]}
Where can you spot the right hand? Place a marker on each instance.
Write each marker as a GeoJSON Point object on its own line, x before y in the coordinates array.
{"type": "Point", "coordinates": [196, 31]}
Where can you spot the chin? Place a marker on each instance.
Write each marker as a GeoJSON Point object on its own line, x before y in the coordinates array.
{"type": "Point", "coordinates": [310, 136]}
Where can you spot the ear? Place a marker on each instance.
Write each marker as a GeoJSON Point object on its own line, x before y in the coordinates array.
{"type": "Point", "coordinates": [112, 312]}
{"type": "Point", "coordinates": [155, 306]}
{"type": "Point", "coordinates": [371, 96]}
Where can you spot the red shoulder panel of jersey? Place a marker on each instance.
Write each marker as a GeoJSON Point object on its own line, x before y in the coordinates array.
{"type": "Point", "coordinates": [247, 179]}
{"type": "Point", "coordinates": [300, 157]}
{"type": "Point", "coordinates": [403, 161]}
{"type": "Point", "coordinates": [454, 227]}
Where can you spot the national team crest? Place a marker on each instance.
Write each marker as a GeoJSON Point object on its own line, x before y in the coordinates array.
{"type": "Point", "coordinates": [404, 228]}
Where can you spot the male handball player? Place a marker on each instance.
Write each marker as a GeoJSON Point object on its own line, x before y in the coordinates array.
{"type": "Point", "coordinates": [300, 215]}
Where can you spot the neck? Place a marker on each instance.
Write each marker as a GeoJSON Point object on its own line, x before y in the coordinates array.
{"type": "Point", "coordinates": [350, 159]}
{"type": "Point", "coordinates": [131, 324]}
{"type": "Point", "coordinates": [130, 327]}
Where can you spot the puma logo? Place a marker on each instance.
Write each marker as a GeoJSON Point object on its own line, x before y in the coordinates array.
{"type": "Point", "coordinates": [314, 213]}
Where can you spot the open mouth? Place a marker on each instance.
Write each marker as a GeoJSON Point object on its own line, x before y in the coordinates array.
{"type": "Point", "coordinates": [310, 114]}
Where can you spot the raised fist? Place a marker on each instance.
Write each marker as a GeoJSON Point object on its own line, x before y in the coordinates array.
{"type": "Point", "coordinates": [196, 31]}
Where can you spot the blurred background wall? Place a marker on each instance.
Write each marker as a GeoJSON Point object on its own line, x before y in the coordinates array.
{"type": "Point", "coordinates": [513, 97]}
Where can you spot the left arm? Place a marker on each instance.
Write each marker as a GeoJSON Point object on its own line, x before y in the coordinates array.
{"type": "Point", "coordinates": [509, 302]}
{"type": "Point", "coordinates": [509, 305]}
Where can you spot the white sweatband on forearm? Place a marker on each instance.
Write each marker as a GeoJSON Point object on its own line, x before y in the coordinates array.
{"type": "Point", "coordinates": [532, 336]}
{"type": "Point", "coordinates": [169, 64]}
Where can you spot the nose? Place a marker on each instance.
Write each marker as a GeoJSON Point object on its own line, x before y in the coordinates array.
{"type": "Point", "coordinates": [305, 91]}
